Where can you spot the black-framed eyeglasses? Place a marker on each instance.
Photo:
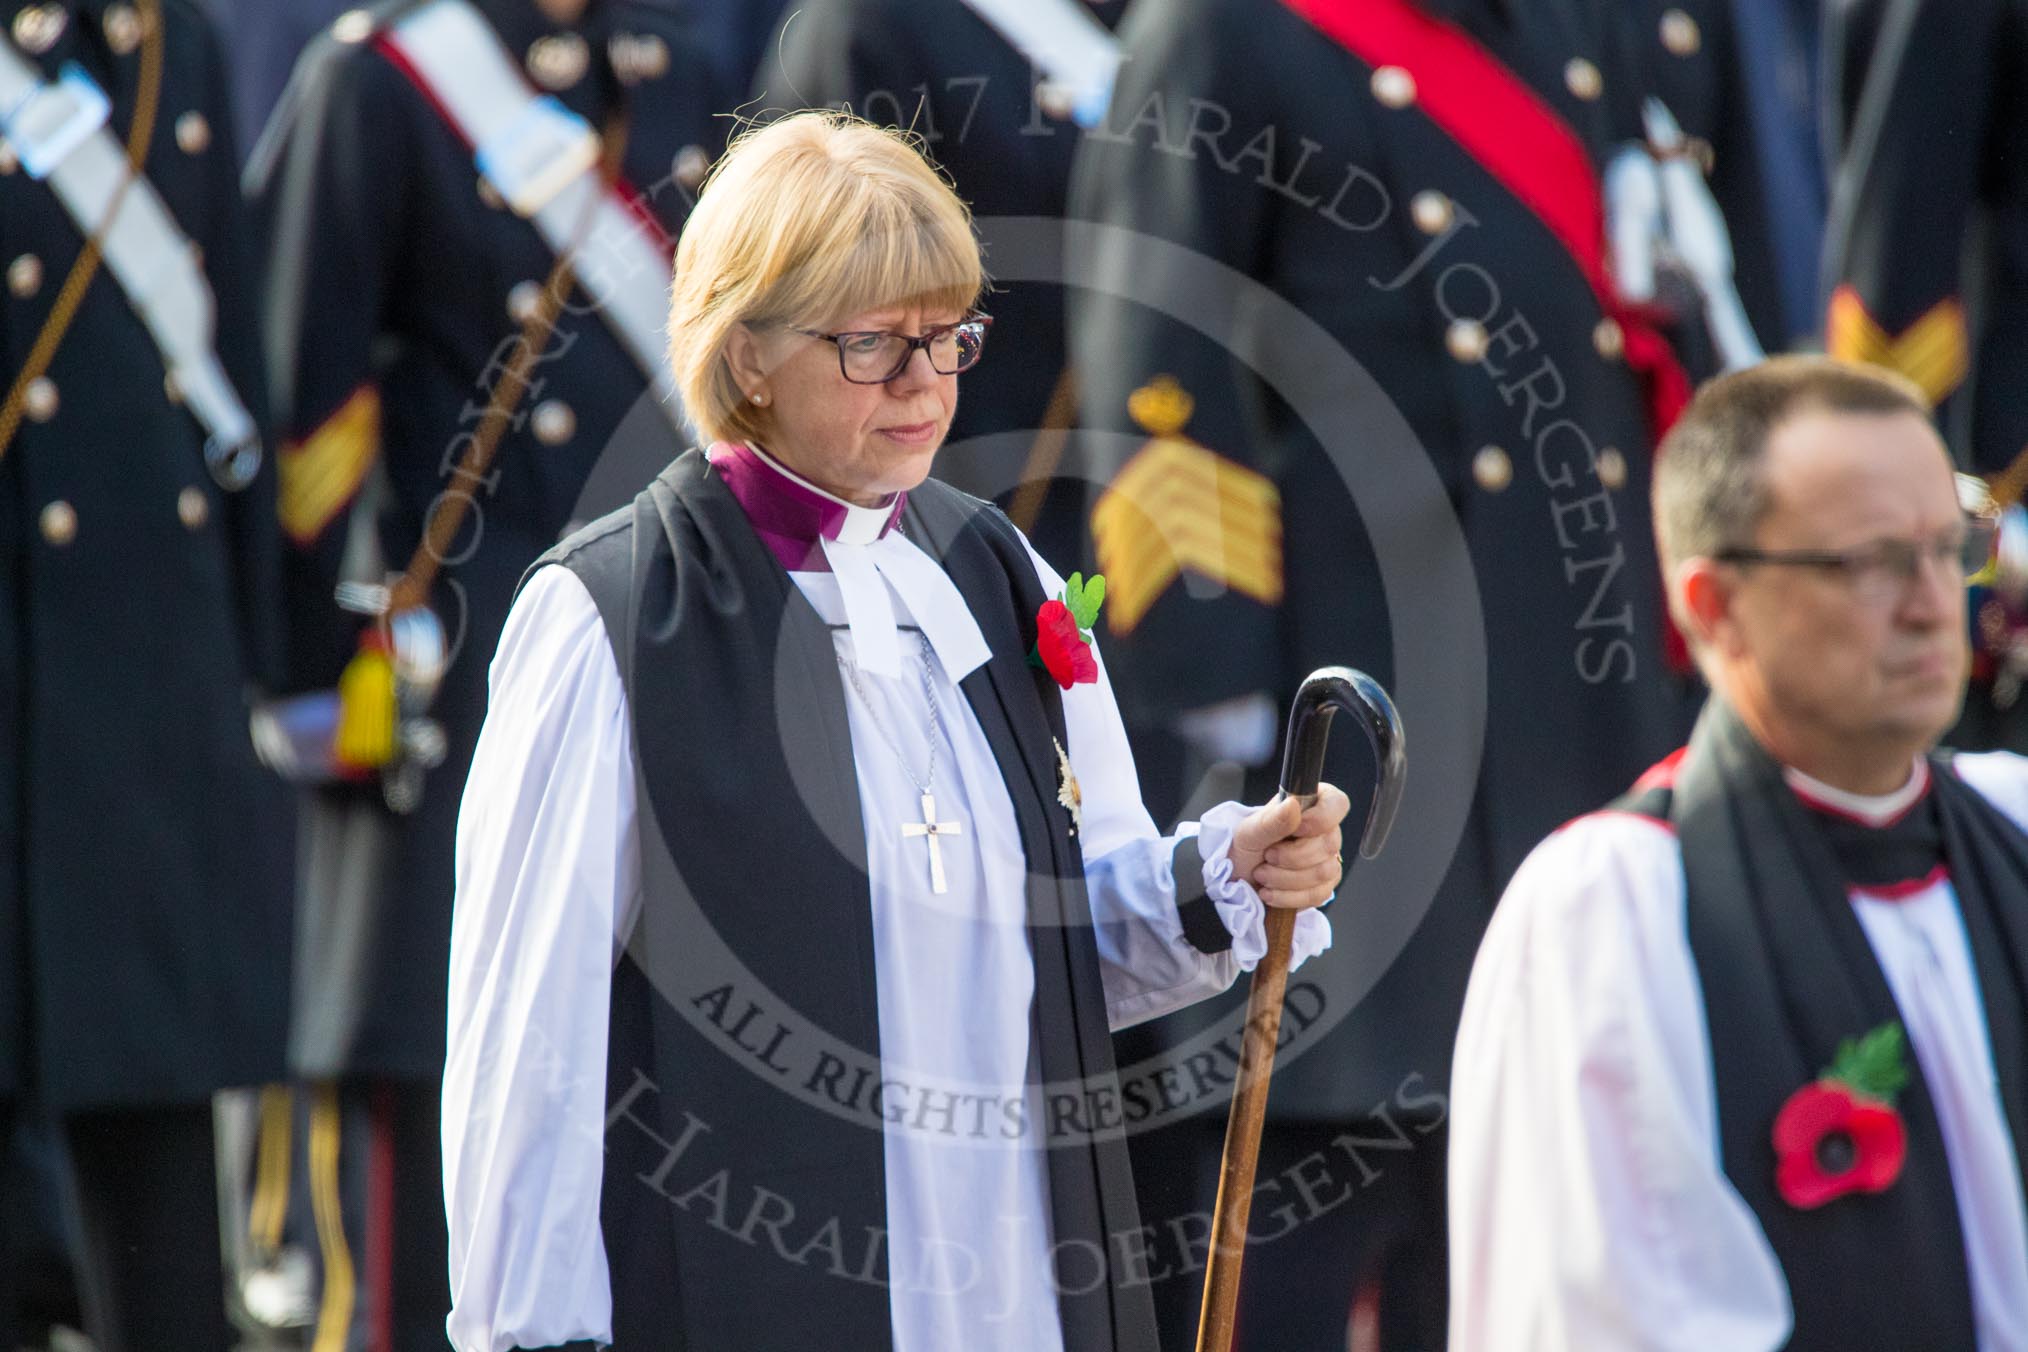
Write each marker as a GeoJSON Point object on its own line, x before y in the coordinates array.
{"type": "Point", "coordinates": [874, 357]}
{"type": "Point", "coordinates": [1883, 570]}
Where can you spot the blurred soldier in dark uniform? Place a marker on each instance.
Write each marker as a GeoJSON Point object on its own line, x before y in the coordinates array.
{"type": "Point", "coordinates": [1779, 44]}
{"type": "Point", "coordinates": [144, 906]}
{"type": "Point", "coordinates": [265, 40]}
{"type": "Point", "coordinates": [1422, 181]}
{"type": "Point", "coordinates": [434, 166]}
{"type": "Point", "coordinates": [969, 77]}
{"type": "Point", "coordinates": [1718, 75]}
{"type": "Point", "coordinates": [1926, 265]}
{"type": "Point", "coordinates": [734, 32]}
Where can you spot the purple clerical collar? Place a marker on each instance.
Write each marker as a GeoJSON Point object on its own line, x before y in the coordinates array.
{"type": "Point", "coordinates": [792, 515]}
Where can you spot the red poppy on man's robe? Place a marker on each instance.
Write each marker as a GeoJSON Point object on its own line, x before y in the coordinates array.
{"type": "Point", "coordinates": [1830, 1142]}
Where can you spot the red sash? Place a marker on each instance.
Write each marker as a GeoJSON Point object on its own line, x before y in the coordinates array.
{"type": "Point", "coordinates": [1530, 151]}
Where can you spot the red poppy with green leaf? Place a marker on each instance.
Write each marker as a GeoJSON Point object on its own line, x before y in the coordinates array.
{"type": "Point", "coordinates": [1063, 632]}
{"type": "Point", "coordinates": [1841, 1134]}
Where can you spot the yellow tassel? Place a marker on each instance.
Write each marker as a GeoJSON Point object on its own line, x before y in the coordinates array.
{"type": "Point", "coordinates": [364, 739]}
{"type": "Point", "coordinates": [271, 1189]}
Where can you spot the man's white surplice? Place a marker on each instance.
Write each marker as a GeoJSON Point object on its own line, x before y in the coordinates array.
{"type": "Point", "coordinates": [549, 893]}
{"type": "Point", "coordinates": [1589, 1206]}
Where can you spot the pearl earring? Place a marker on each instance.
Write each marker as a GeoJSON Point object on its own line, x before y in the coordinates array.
{"type": "Point", "coordinates": [760, 399]}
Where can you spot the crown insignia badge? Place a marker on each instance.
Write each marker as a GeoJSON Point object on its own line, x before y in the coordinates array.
{"type": "Point", "coordinates": [1162, 407]}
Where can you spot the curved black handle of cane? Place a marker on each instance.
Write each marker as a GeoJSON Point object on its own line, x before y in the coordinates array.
{"type": "Point", "coordinates": [1324, 693]}
{"type": "Point", "coordinates": [1321, 696]}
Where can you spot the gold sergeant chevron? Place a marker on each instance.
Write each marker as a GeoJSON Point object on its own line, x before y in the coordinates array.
{"type": "Point", "coordinates": [1179, 506]}
{"type": "Point", "coordinates": [319, 476]}
{"type": "Point", "coordinates": [1934, 351]}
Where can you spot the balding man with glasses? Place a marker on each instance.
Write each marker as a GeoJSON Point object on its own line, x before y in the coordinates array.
{"type": "Point", "coordinates": [1744, 1060]}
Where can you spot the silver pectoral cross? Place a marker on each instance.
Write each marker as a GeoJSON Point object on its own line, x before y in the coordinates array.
{"type": "Point", "coordinates": [932, 828]}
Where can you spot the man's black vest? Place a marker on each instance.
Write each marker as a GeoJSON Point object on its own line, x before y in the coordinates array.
{"type": "Point", "coordinates": [737, 1214]}
{"type": "Point", "coordinates": [1787, 974]}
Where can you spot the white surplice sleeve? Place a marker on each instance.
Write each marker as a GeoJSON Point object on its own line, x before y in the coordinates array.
{"type": "Point", "coordinates": [1588, 1206]}
{"type": "Point", "coordinates": [1150, 968]}
{"type": "Point", "coordinates": [547, 877]}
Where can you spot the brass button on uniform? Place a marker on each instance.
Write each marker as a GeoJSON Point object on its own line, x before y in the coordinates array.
{"type": "Point", "coordinates": [553, 422]}
{"type": "Point", "coordinates": [1431, 211]}
{"type": "Point", "coordinates": [193, 509]}
{"type": "Point", "coordinates": [1466, 340]}
{"type": "Point", "coordinates": [559, 61]}
{"type": "Point", "coordinates": [352, 27]}
{"type": "Point", "coordinates": [1612, 468]}
{"type": "Point", "coordinates": [638, 57]}
{"type": "Point", "coordinates": [690, 166]}
{"type": "Point", "coordinates": [1609, 338]}
{"type": "Point", "coordinates": [123, 29]}
{"type": "Point", "coordinates": [9, 161]}
{"type": "Point", "coordinates": [59, 523]}
{"type": "Point", "coordinates": [1583, 79]}
{"type": "Point", "coordinates": [522, 299]}
{"type": "Point", "coordinates": [1492, 469]}
{"type": "Point", "coordinates": [171, 391]}
{"type": "Point", "coordinates": [490, 195]}
{"type": "Point", "coordinates": [39, 400]}
{"type": "Point", "coordinates": [1393, 86]}
{"type": "Point", "coordinates": [37, 28]}
{"type": "Point", "coordinates": [24, 276]}
{"type": "Point", "coordinates": [193, 133]}
{"type": "Point", "coordinates": [1680, 33]}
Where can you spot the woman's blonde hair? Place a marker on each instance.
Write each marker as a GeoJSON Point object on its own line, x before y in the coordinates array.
{"type": "Point", "coordinates": [806, 221]}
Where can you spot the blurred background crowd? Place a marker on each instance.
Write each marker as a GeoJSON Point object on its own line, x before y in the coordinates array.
{"type": "Point", "coordinates": [1332, 331]}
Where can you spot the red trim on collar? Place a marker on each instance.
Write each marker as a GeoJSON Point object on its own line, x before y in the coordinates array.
{"type": "Point", "coordinates": [1662, 774]}
{"type": "Point", "coordinates": [1903, 891]}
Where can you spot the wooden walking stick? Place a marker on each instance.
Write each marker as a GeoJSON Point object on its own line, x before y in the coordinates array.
{"type": "Point", "coordinates": [1323, 694]}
